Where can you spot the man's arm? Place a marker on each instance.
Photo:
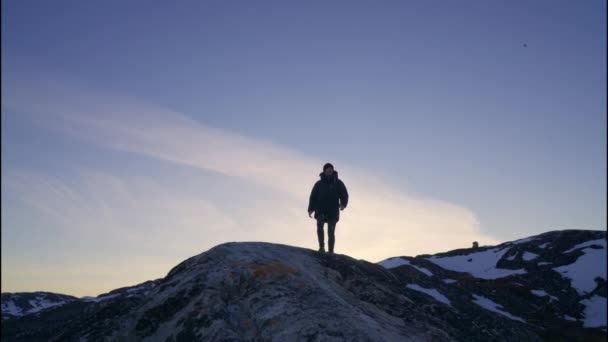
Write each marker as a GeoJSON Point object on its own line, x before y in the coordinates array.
{"type": "Point", "coordinates": [343, 195]}
{"type": "Point", "coordinates": [312, 201]}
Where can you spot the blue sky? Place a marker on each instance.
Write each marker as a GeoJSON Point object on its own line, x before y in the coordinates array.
{"type": "Point", "coordinates": [137, 134]}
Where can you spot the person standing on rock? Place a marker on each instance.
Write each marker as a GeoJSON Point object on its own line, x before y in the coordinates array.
{"type": "Point", "coordinates": [327, 198]}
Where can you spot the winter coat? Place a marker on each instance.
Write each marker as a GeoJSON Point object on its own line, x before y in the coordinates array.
{"type": "Point", "coordinates": [326, 197]}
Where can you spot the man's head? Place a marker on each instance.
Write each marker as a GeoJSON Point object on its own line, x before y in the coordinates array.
{"type": "Point", "coordinates": [328, 169]}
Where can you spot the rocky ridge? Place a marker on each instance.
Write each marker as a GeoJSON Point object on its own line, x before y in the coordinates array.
{"type": "Point", "coordinates": [547, 287]}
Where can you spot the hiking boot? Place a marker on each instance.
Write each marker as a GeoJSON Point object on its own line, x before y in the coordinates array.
{"type": "Point", "coordinates": [331, 251]}
{"type": "Point", "coordinates": [322, 249]}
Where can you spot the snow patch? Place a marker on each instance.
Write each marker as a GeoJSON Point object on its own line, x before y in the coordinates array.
{"type": "Point", "coordinates": [544, 245]}
{"type": "Point", "coordinates": [544, 263]}
{"type": "Point", "coordinates": [40, 304]}
{"type": "Point", "coordinates": [595, 312]}
{"type": "Point", "coordinates": [449, 281]}
{"type": "Point", "coordinates": [582, 272]}
{"type": "Point", "coordinates": [99, 299]}
{"type": "Point", "coordinates": [395, 262]}
{"type": "Point", "coordinates": [569, 318]}
{"type": "Point", "coordinates": [487, 304]}
{"type": "Point", "coordinates": [479, 264]}
{"type": "Point", "coordinates": [431, 292]}
{"type": "Point", "coordinates": [600, 242]}
{"type": "Point", "coordinates": [529, 256]}
{"type": "Point", "coordinates": [10, 308]}
{"type": "Point", "coordinates": [543, 293]}
{"type": "Point", "coordinates": [36, 304]}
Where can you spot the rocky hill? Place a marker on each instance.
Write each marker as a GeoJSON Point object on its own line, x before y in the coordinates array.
{"type": "Point", "coordinates": [15, 305]}
{"type": "Point", "coordinates": [547, 287]}
{"type": "Point", "coordinates": [554, 282]}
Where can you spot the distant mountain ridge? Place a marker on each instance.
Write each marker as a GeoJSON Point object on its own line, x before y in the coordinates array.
{"type": "Point", "coordinates": [547, 287]}
{"type": "Point", "coordinates": [26, 303]}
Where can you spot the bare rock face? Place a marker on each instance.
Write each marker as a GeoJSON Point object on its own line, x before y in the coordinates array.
{"type": "Point", "coordinates": [254, 291]}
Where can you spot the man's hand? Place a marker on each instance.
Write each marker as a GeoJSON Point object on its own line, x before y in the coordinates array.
{"type": "Point", "coordinates": [310, 213]}
{"type": "Point", "coordinates": [342, 207]}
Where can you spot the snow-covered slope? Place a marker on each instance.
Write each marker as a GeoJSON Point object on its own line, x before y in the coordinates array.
{"type": "Point", "coordinates": [556, 280]}
{"type": "Point", "coordinates": [20, 304]}
{"type": "Point", "coordinates": [479, 264]}
{"type": "Point", "coordinates": [27, 303]}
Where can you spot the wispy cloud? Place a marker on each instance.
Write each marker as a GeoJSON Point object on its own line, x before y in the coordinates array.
{"type": "Point", "coordinates": [270, 188]}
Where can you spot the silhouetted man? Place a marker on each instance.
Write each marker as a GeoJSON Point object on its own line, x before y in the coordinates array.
{"type": "Point", "coordinates": [327, 198]}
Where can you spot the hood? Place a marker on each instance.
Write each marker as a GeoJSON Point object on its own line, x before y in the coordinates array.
{"type": "Point", "coordinates": [334, 176]}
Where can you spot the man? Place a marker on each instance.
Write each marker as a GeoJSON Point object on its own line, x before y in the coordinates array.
{"type": "Point", "coordinates": [327, 198]}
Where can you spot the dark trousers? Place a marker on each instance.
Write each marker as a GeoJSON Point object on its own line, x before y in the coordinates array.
{"type": "Point", "coordinates": [331, 228]}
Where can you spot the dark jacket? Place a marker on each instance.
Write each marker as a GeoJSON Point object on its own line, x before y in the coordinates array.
{"type": "Point", "coordinates": [326, 197]}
